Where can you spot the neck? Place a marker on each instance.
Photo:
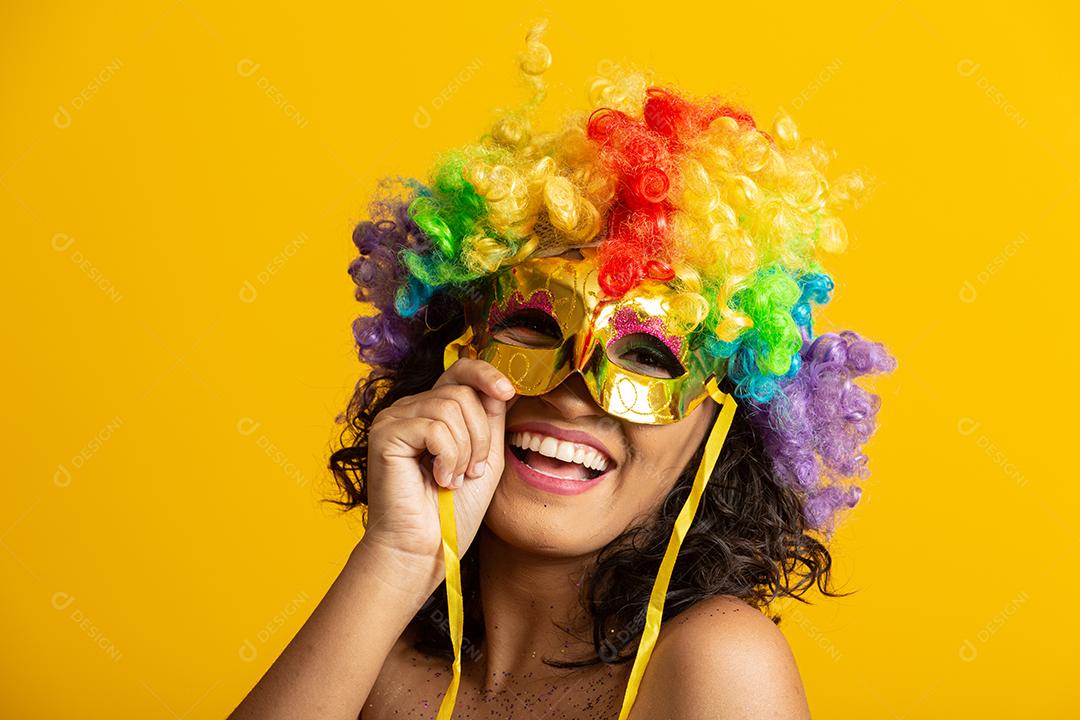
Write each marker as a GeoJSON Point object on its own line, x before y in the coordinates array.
{"type": "Point", "coordinates": [527, 599]}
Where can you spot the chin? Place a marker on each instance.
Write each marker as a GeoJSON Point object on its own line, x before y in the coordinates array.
{"type": "Point", "coordinates": [550, 524]}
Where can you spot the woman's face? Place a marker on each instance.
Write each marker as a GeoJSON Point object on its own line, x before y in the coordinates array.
{"type": "Point", "coordinates": [552, 506]}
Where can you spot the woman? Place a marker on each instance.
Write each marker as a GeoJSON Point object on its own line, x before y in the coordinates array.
{"type": "Point", "coordinates": [568, 328]}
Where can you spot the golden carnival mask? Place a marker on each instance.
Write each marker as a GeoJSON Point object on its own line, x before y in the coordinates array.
{"type": "Point", "coordinates": [547, 317]}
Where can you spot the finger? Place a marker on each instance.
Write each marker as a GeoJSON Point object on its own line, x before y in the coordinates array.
{"type": "Point", "coordinates": [412, 438]}
{"type": "Point", "coordinates": [497, 428]}
{"type": "Point", "coordinates": [443, 447]}
{"type": "Point", "coordinates": [406, 437]}
{"type": "Point", "coordinates": [475, 422]}
{"type": "Point", "coordinates": [450, 412]}
{"type": "Point", "coordinates": [432, 405]}
{"type": "Point", "coordinates": [478, 374]}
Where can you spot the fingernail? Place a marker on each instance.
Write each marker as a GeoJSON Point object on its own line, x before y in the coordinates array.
{"type": "Point", "coordinates": [504, 386]}
{"type": "Point", "coordinates": [459, 480]}
{"type": "Point", "coordinates": [478, 468]}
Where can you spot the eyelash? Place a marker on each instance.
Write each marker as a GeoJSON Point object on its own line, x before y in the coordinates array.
{"type": "Point", "coordinates": [535, 324]}
{"type": "Point", "coordinates": [655, 358]}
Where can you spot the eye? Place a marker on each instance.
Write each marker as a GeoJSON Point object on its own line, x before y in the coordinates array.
{"type": "Point", "coordinates": [528, 327]}
{"type": "Point", "coordinates": [645, 354]}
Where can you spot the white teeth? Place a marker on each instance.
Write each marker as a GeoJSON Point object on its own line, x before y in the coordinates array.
{"type": "Point", "coordinates": [566, 451]}
{"type": "Point", "coordinates": [549, 446]}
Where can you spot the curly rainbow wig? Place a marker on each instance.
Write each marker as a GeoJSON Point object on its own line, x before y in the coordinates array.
{"type": "Point", "coordinates": [686, 191]}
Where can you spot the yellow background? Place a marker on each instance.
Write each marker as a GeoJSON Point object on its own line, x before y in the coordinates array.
{"type": "Point", "coordinates": [178, 184]}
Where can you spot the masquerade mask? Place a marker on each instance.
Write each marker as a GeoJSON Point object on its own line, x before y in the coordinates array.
{"type": "Point", "coordinates": [548, 317]}
{"type": "Point", "coordinates": [545, 319]}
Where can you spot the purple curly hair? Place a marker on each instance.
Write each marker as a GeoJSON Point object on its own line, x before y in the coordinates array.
{"type": "Point", "coordinates": [815, 427]}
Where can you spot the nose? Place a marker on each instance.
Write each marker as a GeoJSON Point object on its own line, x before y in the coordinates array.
{"type": "Point", "coordinates": [571, 398]}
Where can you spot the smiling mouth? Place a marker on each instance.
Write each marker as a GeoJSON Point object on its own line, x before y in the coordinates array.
{"type": "Point", "coordinates": [558, 459]}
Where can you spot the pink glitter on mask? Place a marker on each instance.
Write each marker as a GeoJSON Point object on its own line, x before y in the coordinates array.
{"type": "Point", "coordinates": [539, 300]}
{"type": "Point", "coordinates": [627, 321]}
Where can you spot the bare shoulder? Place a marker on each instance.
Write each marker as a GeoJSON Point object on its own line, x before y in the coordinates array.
{"type": "Point", "coordinates": [721, 659]}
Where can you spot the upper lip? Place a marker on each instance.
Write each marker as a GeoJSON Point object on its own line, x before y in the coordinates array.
{"type": "Point", "coordinates": [574, 436]}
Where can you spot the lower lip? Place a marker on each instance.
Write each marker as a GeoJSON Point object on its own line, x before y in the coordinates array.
{"type": "Point", "coordinates": [549, 483]}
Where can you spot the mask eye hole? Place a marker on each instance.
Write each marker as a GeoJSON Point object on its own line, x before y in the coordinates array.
{"type": "Point", "coordinates": [645, 354]}
{"type": "Point", "coordinates": [529, 328]}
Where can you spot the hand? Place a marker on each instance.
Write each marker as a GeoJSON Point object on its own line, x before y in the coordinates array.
{"type": "Point", "coordinates": [451, 435]}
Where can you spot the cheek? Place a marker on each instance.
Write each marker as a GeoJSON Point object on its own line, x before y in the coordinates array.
{"type": "Point", "coordinates": [652, 454]}
{"type": "Point", "coordinates": [644, 480]}
{"type": "Point", "coordinates": [659, 455]}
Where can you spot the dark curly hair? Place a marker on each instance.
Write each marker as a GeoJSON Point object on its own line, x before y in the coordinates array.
{"type": "Point", "coordinates": [749, 538]}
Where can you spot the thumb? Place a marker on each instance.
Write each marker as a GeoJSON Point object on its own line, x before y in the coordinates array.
{"type": "Point", "coordinates": [496, 415]}
{"type": "Point", "coordinates": [496, 412]}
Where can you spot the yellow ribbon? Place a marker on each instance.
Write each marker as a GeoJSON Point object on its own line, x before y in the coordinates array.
{"type": "Point", "coordinates": [655, 613]}
{"type": "Point", "coordinates": [453, 594]}
{"type": "Point", "coordinates": [451, 561]}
